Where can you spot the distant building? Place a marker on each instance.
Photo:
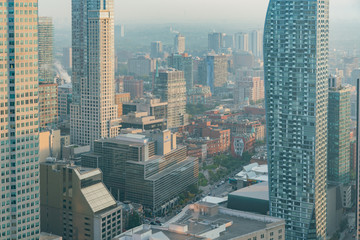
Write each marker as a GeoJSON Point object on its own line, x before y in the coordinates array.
{"type": "Point", "coordinates": [141, 65]}
{"type": "Point", "coordinates": [256, 43]}
{"type": "Point", "coordinates": [249, 90]}
{"type": "Point", "coordinates": [242, 41]}
{"type": "Point", "coordinates": [199, 95]}
{"type": "Point", "coordinates": [209, 221]}
{"type": "Point", "coordinates": [46, 49]}
{"type": "Point", "coordinates": [153, 106]}
{"type": "Point", "coordinates": [183, 63]}
{"type": "Point", "coordinates": [121, 98]}
{"type": "Point", "coordinates": [179, 44]}
{"type": "Point", "coordinates": [156, 50]}
{"type": "Point", "coordinates": [64, 101]}
{"type": "Point", "coordinates": [215, 42]}
{"type": "Point", "coordinates": [244, 60]}
{"type": "Point", "coordinates": [170, 87]}
{"type": "Point", "coordinates": [135, 87]}
{"type": "Point", "coordinates": [67, 58]}
{"type": "Point", "coordinates": [76, 204]}
{"type": "Point", "coordinates": [48, 105]}
{"type": "Point", "coordinates": [216, 71]}
{"type": "Point", "coordinates": [149, 168]}
{"type": "Point", "coordinates": [338, 133]}
{"type": "Point", "coordinates": [229, 41]}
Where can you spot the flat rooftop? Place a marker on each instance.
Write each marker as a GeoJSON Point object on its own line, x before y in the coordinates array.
{"type": "Point", "coordinates": [257, 191]}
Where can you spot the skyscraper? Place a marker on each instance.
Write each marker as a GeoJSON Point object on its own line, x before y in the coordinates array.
{"type": "Point", "coordinates": [170, 87]}
{"type": "Point", "coordinates": [296, 86]}
{"type": "Point", "coordinates": [179, 44]}
{"type": "Point", "coordinates": [256, 43]}
{"type": "Point", "coordinates": [215, 42]}
{"type": "Point", "coordinates": [93, 111]}
{"type": "Point", "coordinates": [19, 123]}
{"type": "Point", "coordinates": [242, 41]}
{"type": "Point", "coordinates": [339, 133]}
{"type": "Point", "coordinates": [184, 63]}
{"type": "Point", "coordinates": [216, 71]}
{"type": "Point", "coordinates": [156, 50]}
{"type": "Point", "coordinates": [46, 55]}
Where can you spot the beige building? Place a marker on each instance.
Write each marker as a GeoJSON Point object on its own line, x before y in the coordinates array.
{"type": "Point", "coordinates": [170, 87]}
{"type": "Point", "coordinates": [179, 44]}
{"type": "Point", "coordinates": [249, 90]}
{"type": "Point", "coordinates": [75, 203]}
{"type": "Point", "coordinates": [141, 65]}
{"type": "Point", "coordinates": [121, 98]}
{"type": "Point", "coordinates": [19, 120]}
{"type": "Point", "coordinates": [93, 111]}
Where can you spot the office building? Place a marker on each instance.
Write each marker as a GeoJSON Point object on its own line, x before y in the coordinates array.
{"type": "Point", "coordinates": [170, 87]}
{"type": "Point", "coordinates": [153, 106]}
{"type": "Point", "coordinates": [242, 41]}
{"type": "Point", "coordinates": [141, 65]}
{"type": "Point", "coordinates": [93, 110]}
{"type": "Point", "coordinates": [67, 58]}
{"type": "Point", "coordinates": [215, 42]}
{"type": "Point", "coordinates": [338, 133]}
{"type": "Point", "coordinates": [141, 120]}
{"type": "Point", "coordinates": [149, 168]}
{"type": "Point", "coordinates": [135, 87]}
{"type": "Point", "coordinates": [296, 90]}
{"type": "Point", "coordinates": [205, 220]}
{"type": "Point", "coordinates": [48, 105]}
{"type": "Point", "coordinates": [46, 49]}
{"type": "Point", "coordinates": [121, 98]}
{"type": "Point", "coordinates": [256, 43]}
{"type": "Point", "coordinates": [19, 121]}
{"type": "Point", "coordinates": [179, 44]}
{"type": "Point", "coordinates": [76, 204]}
{"type": "Point", "coordinates": [156, 50]}
{"type": "Point", "coordinates": [183, 63]}
{"type": "Point", "coordinates": [216, 71]}
{"type": "Point", "coordinates": [64, 101]}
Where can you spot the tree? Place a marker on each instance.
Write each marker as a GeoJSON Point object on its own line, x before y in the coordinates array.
{"type": "Point", "coordinates": [134, 220]}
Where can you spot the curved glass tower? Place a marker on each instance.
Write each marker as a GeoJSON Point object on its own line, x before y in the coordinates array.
{"type": "Point", "coordinates": [296, 87]}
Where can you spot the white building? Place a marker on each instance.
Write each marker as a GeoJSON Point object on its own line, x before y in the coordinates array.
{"type": "Point", "coordinates": [93, 111]}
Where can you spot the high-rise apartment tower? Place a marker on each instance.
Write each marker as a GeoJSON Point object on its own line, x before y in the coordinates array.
{"type": "Point", "coordinates": [296, 42]}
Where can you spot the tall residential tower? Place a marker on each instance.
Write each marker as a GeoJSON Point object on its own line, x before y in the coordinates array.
{"type": "Point", "coordinates": [93, 111]}
{"type": "Point", "coordinates": [296, 42]}
{"type": "Point", "coordinates": [19, 123]}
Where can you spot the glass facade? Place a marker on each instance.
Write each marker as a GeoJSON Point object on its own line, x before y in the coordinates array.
{"type": "Point", "coordinates": [296, 91]}
{"type": "Point", "coordinates": [19, 126]}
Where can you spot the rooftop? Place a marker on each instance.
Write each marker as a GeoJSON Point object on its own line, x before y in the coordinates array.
{"type": "Point", "coordinates": [257, 191]}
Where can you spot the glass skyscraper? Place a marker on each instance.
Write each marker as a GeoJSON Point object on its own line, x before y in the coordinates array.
{"type": "Point", "coordinates": [296, 41]}
{"type": "Point", "coordinates": [19, 126]}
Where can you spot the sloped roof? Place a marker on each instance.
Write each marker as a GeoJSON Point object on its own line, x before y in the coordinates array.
{"type": "Point", "coordinates": [98, 197]}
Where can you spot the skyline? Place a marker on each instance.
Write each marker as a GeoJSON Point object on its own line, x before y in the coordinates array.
{"type": "Point", "coordinates": [205, 11]}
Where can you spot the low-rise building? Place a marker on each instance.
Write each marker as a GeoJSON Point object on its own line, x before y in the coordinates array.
{"type": "Point", "coordinates": [199, 94]}
{"type": "Point", "coordinates": [142, 120]}
{"type": "Point", "coordinates": [121, 98]}
{"type": "Point", "coordinates": [209, 221]}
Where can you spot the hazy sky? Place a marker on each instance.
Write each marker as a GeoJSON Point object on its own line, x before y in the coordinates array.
{"type": "Point", "coordinates": [250, 12]}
